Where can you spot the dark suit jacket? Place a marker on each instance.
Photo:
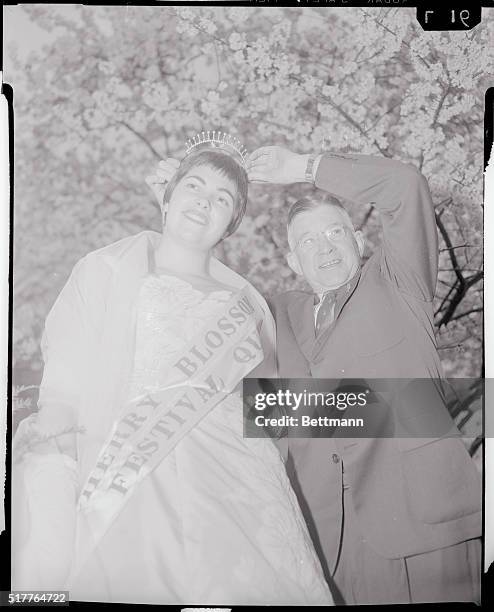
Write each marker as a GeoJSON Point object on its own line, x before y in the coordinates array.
{"type": "Point", "coordinates": [411, 495]}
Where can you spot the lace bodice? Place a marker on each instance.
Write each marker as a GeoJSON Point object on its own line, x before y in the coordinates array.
{"type": "Point", "coordinates": [170, 311]}
{"type": "Point", "coordinates": [219, 504]}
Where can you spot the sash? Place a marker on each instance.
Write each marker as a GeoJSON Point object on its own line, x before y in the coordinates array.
{"type": "Point", "coordinates": [149, 427]}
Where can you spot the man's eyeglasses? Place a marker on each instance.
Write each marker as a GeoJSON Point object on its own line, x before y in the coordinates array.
{"type": "Point", "coordinates": [335, 233]}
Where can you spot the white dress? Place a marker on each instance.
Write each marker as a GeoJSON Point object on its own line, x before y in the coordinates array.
{"type": "Point", "coordinates": [216, 522]}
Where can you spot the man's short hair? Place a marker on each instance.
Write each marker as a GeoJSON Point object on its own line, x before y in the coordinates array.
{"type": "Point", "coordinates": [225, 165]}
{"type": "Point", "coordinates": [311, 202]}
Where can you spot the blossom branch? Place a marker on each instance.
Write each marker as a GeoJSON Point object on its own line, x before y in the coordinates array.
{"type": "Point", "coordinates": [142, 139]}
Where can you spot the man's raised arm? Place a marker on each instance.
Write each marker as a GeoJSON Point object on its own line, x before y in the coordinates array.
{"type": "Point", "coordinates": [397, 190]}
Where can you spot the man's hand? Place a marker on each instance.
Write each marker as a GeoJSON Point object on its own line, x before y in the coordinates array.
{"type": "Point", "coordinates": [163, 174]}
{"type": "Point", "coordinates": [276, 165]}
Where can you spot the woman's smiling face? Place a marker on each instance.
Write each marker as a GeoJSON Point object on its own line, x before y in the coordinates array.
{"type": "Point", "coordinates": [200, 207]}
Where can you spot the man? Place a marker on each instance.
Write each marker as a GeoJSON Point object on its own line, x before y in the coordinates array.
{"type": "Point", "coordinates": [396, 520]}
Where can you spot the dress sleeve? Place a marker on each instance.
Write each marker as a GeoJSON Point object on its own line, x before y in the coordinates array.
{"type": "Point", "coordinates": [409, 255]}
{"type": "Point", "coordinates": [68, 340]}
{"type": "Point", "coordinates": [64, 350]}
{"type": "Point", "coordinates": [45, 473]}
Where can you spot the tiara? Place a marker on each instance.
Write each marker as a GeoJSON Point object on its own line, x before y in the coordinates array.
{"type": "Point", "coordinates": [218, 140]}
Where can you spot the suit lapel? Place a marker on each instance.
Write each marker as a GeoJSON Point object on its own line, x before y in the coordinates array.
{"type": "Point", "coordinates": [301, 316]}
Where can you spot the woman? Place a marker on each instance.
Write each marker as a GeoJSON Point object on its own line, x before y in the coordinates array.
{"type": "Point", "coordinates": [144, 351]}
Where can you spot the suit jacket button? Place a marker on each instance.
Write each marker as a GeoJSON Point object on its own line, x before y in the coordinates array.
{"type": "Point", "coordinates": [335, 458]}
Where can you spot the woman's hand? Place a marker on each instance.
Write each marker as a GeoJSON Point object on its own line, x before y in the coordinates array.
{"type": "Point", "coordinates": [163, 174]}
{"type": "Point", "coordinates": [276, 165]}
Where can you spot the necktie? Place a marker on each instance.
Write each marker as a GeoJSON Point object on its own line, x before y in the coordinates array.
{"type": "Point", "coordinates": [323, 318]}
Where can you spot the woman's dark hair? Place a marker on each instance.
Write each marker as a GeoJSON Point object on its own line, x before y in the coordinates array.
{"type": "Point", "coordinates": [225, 165]}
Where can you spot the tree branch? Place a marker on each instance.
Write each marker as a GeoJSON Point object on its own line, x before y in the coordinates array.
{"type": "Point", "coordinates": [343, 113]}
{"type": "Point", "coordinates": [439, 106]}
{"type": "Point", "coordinates": [462, 284]}
{"type": "Point", "coordinates": [457, 344]}
{"type": "Point", "coordinates": [367, 216]}
{"type": "Point", "coordinates": [142, 139]}
{"type": "Point", "coordinates": [460, 246]}
{"type": "Point", "coordinates": [452, 254]}
{"type": "Point", "coordinates": [403, 42]}
{"type": "Point", "coordinates": [390, 109]}
{"type": "Point", "coordinates": [458, 297]}
{"type": "Point", "coordinates": [446, 297]}
{"type": "Point", "coordinates": [464, 314]}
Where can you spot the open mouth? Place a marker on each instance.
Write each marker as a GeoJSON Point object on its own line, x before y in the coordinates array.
{"type": "Point", "coordinates": [329, 264]}
{"type": "Point", "coordinates": [197, 217]}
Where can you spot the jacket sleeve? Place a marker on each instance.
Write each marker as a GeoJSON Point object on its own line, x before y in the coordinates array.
{"type": "Point", "coordinates": [409, 255]}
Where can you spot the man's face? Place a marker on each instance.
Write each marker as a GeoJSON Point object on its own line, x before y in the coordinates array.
{"type": "Point", "coordinates": [325, 248]}
{"type": "Point", "coordinates": [200, 207]}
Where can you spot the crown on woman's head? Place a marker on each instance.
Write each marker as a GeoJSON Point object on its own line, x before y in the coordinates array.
{"type": "Point", "coordinates": [219, 140]}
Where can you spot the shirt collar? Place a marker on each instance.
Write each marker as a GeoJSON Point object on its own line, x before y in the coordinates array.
{"type": "Point", "coordinates": [341, 292]}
